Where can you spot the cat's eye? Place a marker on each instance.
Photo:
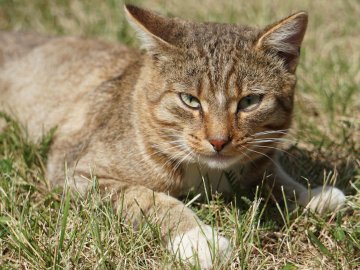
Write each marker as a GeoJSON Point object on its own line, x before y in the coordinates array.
{"type": "Point", "coordinates": [249, 103]}
{"type": "Point", "coordinates": [190, 101]}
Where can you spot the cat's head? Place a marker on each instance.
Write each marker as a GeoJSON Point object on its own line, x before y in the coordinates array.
{"type": "Point", "coordinates": [217, 93]}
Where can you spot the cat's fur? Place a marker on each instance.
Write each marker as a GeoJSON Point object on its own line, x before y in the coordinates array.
{"type": "Point", "coordinates": [119, 114]}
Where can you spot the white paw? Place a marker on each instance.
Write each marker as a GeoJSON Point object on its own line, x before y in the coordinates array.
{"type": "Point", "coordinates": [325, 199]}
{"type": "Point", "coordinates": [197, 245]}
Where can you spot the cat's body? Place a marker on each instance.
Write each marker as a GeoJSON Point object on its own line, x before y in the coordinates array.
{"type": "Point", "coordinates": [149, 126]}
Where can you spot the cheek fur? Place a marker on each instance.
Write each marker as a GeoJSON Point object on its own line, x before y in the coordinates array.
{"type": "Point", "coordinates": [269, 115]}
{"type": "Point", "coordinates": [269, 118]}
{"type": "Point", "coordinates": [170, 111]}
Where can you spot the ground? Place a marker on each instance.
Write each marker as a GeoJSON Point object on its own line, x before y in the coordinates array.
{"type": "Point", "coordinates": [44, 228]}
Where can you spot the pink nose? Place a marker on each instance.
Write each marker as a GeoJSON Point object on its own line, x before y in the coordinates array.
{"type": "Point", "coordinates": [218, 144]}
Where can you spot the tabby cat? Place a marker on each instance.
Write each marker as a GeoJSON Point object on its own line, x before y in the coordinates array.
{"type": "Point", "coordinates": [201, 98]}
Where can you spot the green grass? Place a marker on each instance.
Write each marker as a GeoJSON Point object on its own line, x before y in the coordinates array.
{"type": "Point", "coordinates": [41, 228]}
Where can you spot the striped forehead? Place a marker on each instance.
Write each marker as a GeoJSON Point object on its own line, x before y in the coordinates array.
{"type": "Point", "coordinates": [219, 83]}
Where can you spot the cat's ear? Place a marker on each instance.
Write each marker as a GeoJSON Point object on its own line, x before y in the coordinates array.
{"type": "Point", "coordinates": [284, 38]}
{"type": "Point", "coordinates": [155, 31]}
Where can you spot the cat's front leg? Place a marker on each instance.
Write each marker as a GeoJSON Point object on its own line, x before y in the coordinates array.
{"type": "Point", "coordinates": [183, 233]}
{"type": "Point", "coordinates": [320, 199]}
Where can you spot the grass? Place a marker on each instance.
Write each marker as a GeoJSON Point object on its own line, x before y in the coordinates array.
{"type": "Point", "coordinates": [41, 228]}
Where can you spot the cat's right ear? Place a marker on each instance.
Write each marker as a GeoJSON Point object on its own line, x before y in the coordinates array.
{"type": "Point", "coordinates": [154, 31]}
{"type": "Point", "coordinates": [285, 38]}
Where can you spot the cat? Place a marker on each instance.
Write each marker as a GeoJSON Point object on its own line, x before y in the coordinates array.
{"type": "Point", "coordinates": [199, 99]}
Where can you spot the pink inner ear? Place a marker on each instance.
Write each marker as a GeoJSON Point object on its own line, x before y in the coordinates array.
{"type": "Point", "coordinates": [290, 60]}
{"type": "Point", "coordinates": [295, 39]}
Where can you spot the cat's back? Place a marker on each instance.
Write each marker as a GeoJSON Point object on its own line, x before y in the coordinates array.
{"type": "Point", "coordinates": [16, 44]}
{"type": "Point", "coordinates": [43, 78]}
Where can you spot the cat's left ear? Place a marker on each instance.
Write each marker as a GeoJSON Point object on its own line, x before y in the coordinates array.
{"type": "Point", "coordinates": [157, 34]}
{"type": "Point", "coordinates": [284, 38]}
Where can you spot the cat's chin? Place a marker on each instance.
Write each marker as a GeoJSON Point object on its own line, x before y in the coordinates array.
{"type": "Point", "coordinates": [220, 162]}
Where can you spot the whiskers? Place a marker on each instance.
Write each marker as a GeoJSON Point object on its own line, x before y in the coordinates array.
{"type": "Point", "coordinates": [271, 136]}
{"type": "Point", "coordinates": [175, 159]}
{"type": "Point", "coordinates": [167, 152]}
{"type": "Point", "coordinates": [267, 132]}
{"type": "Point", "coordinates": [261, 143]}
{"type": "Point", "coordinates": [172, 150]}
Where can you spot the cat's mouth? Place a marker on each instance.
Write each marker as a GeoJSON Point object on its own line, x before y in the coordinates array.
{"type": "Point", "coordinates": [218, 161]}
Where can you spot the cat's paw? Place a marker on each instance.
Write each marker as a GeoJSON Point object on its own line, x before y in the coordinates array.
{"type": "Point", "coordinates": [324, 199]}
{"type": "Point", "coordinates": [197, 245]}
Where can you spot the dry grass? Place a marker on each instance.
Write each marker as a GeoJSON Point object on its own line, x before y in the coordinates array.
{"type": "Point", "coordinates": [41, 228]}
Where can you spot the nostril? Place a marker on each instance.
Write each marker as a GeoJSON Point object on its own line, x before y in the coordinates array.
{"type": "Point", "coordinates": [218, 145]}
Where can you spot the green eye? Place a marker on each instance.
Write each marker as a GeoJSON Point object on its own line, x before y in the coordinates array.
{"type": "Point", "coordinates": [190, 101]}
{"type": "Point", "coordinates": [249, 103]}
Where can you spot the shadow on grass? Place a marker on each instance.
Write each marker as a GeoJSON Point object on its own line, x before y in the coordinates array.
{"type": "Point", "coordinates": [316, 168]}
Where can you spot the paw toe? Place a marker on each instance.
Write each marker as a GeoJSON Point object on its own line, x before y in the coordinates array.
{"type": "Point", "coordinates": [326, 199]}
{"type": "Point", "coordinates": [196, 245]}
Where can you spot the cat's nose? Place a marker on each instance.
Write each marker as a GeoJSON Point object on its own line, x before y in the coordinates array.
{"type": "Point", "coordinates": [219, 144]}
